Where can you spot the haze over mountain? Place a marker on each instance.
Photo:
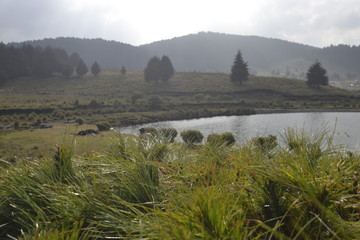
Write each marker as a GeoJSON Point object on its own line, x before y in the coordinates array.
{"type": "Point", "coordinates": [214, 52]}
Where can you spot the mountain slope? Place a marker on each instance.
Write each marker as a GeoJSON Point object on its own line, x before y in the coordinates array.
{"type": "Point", "coordinates": [109, 54]}
{"type": "Point", "coordinates": [214, 52]}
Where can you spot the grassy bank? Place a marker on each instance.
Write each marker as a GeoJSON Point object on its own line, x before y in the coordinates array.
{"type": "Point", "coordinates": [37, 143]}
{"type": "Point", "coordinates": [125, 100]}
{"type": "Point", "coordinates": [150, 188]}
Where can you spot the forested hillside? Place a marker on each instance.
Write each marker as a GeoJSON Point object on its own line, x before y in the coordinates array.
{"type": "Point", "coordinates": [214, 52]}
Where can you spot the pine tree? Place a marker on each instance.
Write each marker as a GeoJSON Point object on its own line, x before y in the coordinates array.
{"type": "Point", "coordinates": [167, 69]}
{"type": "Point", "coordinates": [239, 70]}
{"type": "Point", "coordinates": [74, 59]}
{"type": "Point", "coordinates": [123, 70]}
{"type": "Point", "coordinates": [67, 69]}
{"type": "Point", "coordinates": [51, 63]}
{"type": "Point", "coordinates": [152, 71]}
{"type": "Point", "coordinates": [44, 62]}
{"type": "Point", "coordinates": [95, 69]}
{"type": "Point", "coordinates": [81, 68]}
{"type": "Point", "coordinates": [61, 57]}
{"type": "Point", "coordinates": [316, 75]}
{"type": "Point", "coordinates": [157, 69]}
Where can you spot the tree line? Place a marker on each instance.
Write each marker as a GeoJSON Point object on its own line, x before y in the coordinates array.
{"type": "Point", "coordinates": [28, 60]}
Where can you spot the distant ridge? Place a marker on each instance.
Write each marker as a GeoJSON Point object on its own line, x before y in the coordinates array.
{"type": "Point", "coordinates": [214, 52]}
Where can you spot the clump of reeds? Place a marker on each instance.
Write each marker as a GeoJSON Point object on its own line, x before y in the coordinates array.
{"type": "Point", "coordinates": [151, 188]}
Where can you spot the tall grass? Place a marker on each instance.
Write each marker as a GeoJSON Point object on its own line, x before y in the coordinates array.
{"type": "Point", "coordinates": [151, 188]}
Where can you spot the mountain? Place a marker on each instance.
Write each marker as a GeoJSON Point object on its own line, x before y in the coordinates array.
{"type": "Point", "coordinates": [214, 52]}
{"type": "Point", "coordinates": [109, 54]}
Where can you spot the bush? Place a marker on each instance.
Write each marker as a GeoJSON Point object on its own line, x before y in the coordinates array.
{"type": "Point", "coordinates": [79, 121]}
{"type": "Point", "coordinates": [93, 103]}
{"type": "Point", "coordinates": [227, 139]}
{"type": "Point", "coordinates": [155, 103]}
{"type": "Point", "coordinates": [5, 119]}
{"type": "Point", "coordinates": [58, 115]}
{"type": "Point", "coordinates": [135, 97]}
{"type": "Point", "coordinates": [150, 130]}
{"type": "Point", "coordinates": [103, 126]}
{"type": "Point", "coordinates": [191, 136]}
{"type": "Point", "coordinates": [44, 119]}
{"type": "Point", "coordinates": [32, 116]}
{"type": "Point", "coordinates": [37, 122]}
{"type": "Point", "coordinates": [16, 125]}
{"type": "Point", "coordinates": [266, 143]}
{"type": "Point", "coordinates": [169, 133]}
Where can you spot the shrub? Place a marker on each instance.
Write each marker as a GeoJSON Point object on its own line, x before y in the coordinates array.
{"type": "Point", "coordinates": [312, 146]}
{"type": "Point", "coordinates": [44, 119]}
{"type": "Point", "coordinates": [58, 114]}
{"type": "Point", "coordinates": [169, 133]}
{"type": "Point", "coordinates": [32, 116]}
{"type": "Point", "coordinates": [266, 143]}
{"type": "Point", "coordinates": [37, 122]}
{"type": "Point", "coordinates": [150, 130]}
{"type": "Point", "coordinates": [94, 103]}
{"type": "Point", "coordinates": [79, 121]}
{"type": "Point", "coordinates": [191, 136]}
{"type": "Point", "coordinates": [135, 97]}
{"type": "Point", "coordinates": [16, 125]}
{"type": "Point", "coordinates": [155, 103]}
{"type": "Point", "coordinates": [103, 126]}
{"type": "Point", "coordinates": [227, 139]}
{"type": "Point", "coordinates": [5, 119]}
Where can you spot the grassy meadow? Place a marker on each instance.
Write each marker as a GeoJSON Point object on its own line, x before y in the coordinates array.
{"type": "Point", "coordinates": [57, 185]}
{"type": "Point", "coordinates": [152, 188]}
{"type": "Point", "coordinates": [128, 99]}
{"type": "Point", "coordinates": [36, 113]}
{"type": "Point", "coordinates": [37, 143]}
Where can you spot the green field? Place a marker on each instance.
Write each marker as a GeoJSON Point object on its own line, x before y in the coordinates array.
{"type": "Point", "coordinates": [127, 100]}
{"type": "Point", "coordinates": [150, 188]}
{"type": "Point", "coordinates": [28, 105]}
{"type": "Point", "coordinates": [37, 143]}
{"type": "Point", "coordinates": [57, 185]}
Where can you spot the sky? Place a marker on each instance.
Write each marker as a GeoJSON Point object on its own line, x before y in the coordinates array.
{"type": "Point", "coordinates": [318, 23]}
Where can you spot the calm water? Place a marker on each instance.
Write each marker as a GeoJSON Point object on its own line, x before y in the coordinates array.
{"type": "Point", "coordinates": [344, 125]}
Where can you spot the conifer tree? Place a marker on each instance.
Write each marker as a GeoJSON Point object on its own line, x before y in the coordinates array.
{"type": "Point", "coordinates": [167, 69]}
{"type": "Point", "coordinates": [81, 68]}
{"type": "Point", "coordinates": [123, 70]}
{"type": "Point", "coordinates": [239, 70]}
{"type": "Point", "coordinates": [67, 69]}
{"type": "Point", "coordinates": [316, 75]}
{"type": "Point", "coordinates": [157, 69]}
{"type": "Point", "coordinates": [95, 69]}
{"type": "Point", "coordinates": [152, 71]}
{"type": "Point", "coordinates": [74, 59]}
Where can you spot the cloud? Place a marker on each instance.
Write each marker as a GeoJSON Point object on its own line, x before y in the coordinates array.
{"type": "Point", "coordinates": [319, 23]}
{"type": "Point", "coordinates": [36, 19]}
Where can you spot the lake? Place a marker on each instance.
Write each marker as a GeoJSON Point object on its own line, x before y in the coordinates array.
{"type": "Point", "coordinates": [344, 125]}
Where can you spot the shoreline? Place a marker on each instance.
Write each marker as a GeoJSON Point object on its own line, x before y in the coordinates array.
{"type": "Point", "coordinates": [254, 112]}
{"type": "Point", "coordinates": [303, 110]}
{"type": "Point", "coordinates": [175, 116]}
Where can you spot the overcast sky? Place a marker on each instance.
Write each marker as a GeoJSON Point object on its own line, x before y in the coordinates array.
{"type": "Point", "coordinates": [314, 22]}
